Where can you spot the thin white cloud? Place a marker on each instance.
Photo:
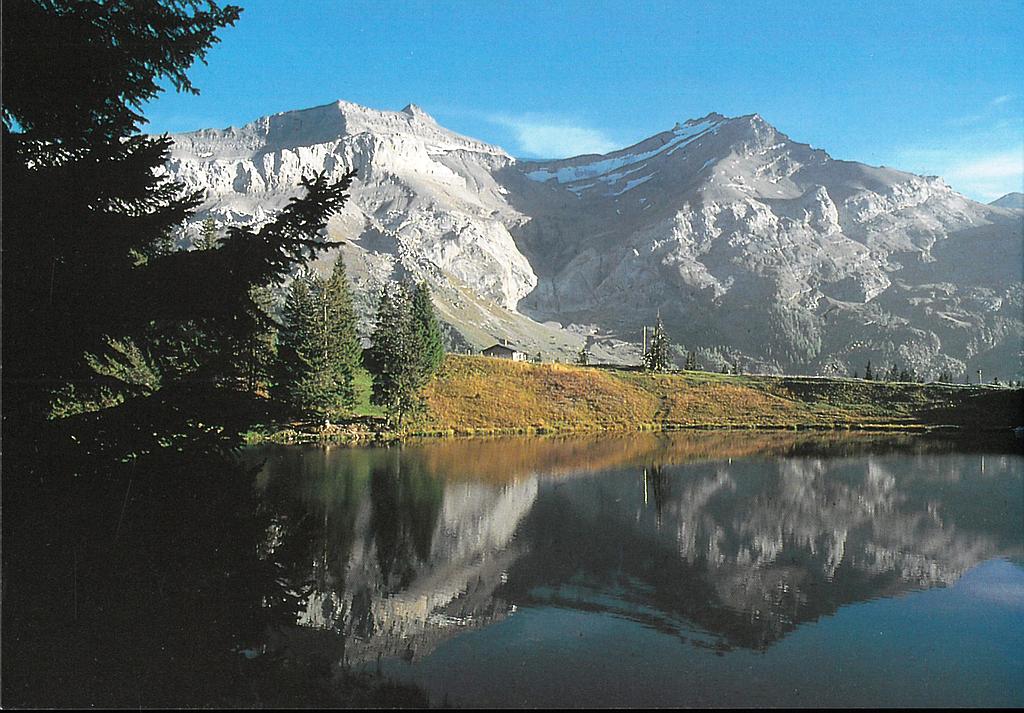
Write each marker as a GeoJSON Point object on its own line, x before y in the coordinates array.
{"type": "Point", "coordinates": [1009, 164]}
{"type": "Point", "coordinates": [988, 177]}
{"type": "Point", "coordinates": [546, 138]}
{"type": "Point", "coordinates": [984, 114]}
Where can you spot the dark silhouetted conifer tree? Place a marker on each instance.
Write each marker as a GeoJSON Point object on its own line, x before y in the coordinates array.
{"type": "Point", "coordinates": [296, 350]}
{"type": "Point", "coordinates": [94, 296]}
{"type": "Point", "coordinates": [87, 214]}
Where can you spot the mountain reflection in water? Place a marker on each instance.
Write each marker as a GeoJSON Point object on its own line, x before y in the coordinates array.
{"type": "Point", "coordinates": [724, 540]}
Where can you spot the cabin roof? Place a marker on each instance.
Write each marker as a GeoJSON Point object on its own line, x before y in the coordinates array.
{"type": "Point", "coordinates": [503, 347]}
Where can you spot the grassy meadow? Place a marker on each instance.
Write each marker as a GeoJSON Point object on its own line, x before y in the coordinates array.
{"type": "Point", "coordinates": [478, 394]}
{"type": "Point", "coordinates": [473, 395]}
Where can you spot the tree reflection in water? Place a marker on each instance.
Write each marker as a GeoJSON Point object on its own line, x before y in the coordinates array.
{"type": "Point", "coordinates": [164, 579]}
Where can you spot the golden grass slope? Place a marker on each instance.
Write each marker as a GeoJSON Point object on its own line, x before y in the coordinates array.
{"type": "Point", "coordinates": [479, 395]}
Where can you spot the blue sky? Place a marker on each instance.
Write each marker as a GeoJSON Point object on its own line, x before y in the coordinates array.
{"type": "Point", "coordinates": [931, 87]}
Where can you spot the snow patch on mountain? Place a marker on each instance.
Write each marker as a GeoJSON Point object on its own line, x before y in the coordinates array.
{"type": "Point", "coordinates": [681, 136]}
{"type": "Point", "coordinates": [631, 184]}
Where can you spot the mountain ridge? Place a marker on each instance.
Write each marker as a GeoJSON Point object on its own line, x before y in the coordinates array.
{"type": "Point", "coordinates": [757, 249]}
{"type": "Point", "coordinates": [1013, 201]}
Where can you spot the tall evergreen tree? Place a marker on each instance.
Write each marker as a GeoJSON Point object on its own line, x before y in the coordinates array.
{"type": "Point", "coordinates": [295, 352]}
{"type": "Point", "coordinates": [396, 367]}
{"type": "Point", "coordinates": [319, 348]}
{"type": "Point", "coordinates": [87, 213]}
{"type": "Point", "coordinates": [656, 358]}
{"type": "Point", "coordinates": [426, 331]}
{"type": "Point", "coordinates": [88, 273]}
{"type": "Point", "coordinates": [345, 349]}
{"type": "Point", "coordinates": [868, 374]}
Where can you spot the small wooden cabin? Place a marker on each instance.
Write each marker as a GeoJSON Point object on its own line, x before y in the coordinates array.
{"type": "Point", "coordinates": [504, 351]}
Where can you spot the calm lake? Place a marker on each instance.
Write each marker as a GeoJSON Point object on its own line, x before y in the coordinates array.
{"type": "Point", "coordinates": [688, 569]}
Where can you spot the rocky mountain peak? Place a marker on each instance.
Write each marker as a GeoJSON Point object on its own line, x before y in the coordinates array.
{"type": "Point", "coordinates": [417, 112]}
{"type": "Point", "coordinates": [710, 118]}
{"type": "Point", "coordinates": [756, 249]}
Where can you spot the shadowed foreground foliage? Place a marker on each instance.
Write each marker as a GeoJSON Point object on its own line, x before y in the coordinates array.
{"type": "Point", "coordinates": [135, 571]}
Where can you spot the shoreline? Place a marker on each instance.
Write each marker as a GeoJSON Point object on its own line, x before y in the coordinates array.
{"type": "Point", "coordinates": [343, 437]}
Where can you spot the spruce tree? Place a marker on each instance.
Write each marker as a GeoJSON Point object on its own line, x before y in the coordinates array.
{"type": "Point", "coordinates": [294, 358]}
{"type": "Point", "coordinates": [82, 202]}
{"type": "Point", "coordinates": [88, 272]}
{"type": "Point", "coordinates": [319, 348]}
{"type": "Point", "coordinates": [426, 331]}
{"type": "Point", "coordinates": [656, 358]}
{"type": "Point", "coordinates": [87, 211]}
{"type": "Point", "coordinates": [868, 374]}
{"type": "Point", "coordinates": [345, 351]}
{"type": "Point", "coordinates": [396, 367]}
